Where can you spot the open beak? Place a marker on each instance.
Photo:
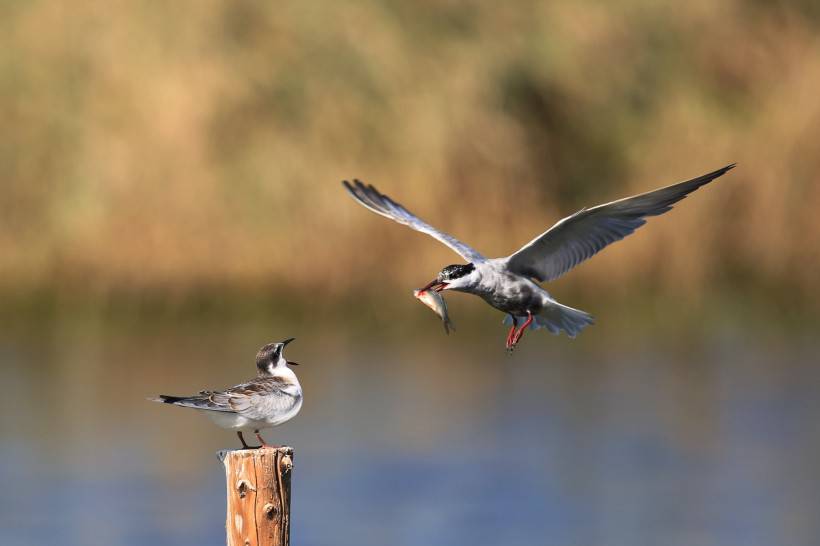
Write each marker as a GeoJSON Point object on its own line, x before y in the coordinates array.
{"type": "Point", "coordinates": [284, 343]}
{"type": "Point", "coordinates": [435, 285]}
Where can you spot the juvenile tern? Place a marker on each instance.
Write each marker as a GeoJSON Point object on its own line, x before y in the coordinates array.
{"type": "Point", "coordinates": [510, 284]}
{"type": "Point", "coordinates": [271, 398]}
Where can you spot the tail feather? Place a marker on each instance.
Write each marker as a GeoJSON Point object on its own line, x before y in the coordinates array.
{"type": "Point", "coordinates": [185, 401]}
{"type": "Point", "coordinates": [557, 317]}
{"type": "Point", "coordinates": [165, 399]}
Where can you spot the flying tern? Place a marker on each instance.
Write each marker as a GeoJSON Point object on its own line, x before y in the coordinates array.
{"type": "Point", "coordinates": [510, 284]}
{"type": "Point", "coordinates": [271, 398]}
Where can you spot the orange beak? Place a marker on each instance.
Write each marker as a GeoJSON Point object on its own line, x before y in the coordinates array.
{"type": "Point", "coordinates": [435, 284]}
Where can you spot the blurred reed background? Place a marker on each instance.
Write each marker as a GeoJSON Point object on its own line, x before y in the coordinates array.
{"type": "Point", "coordinates": [171, 201]}
{"type": "Point", "coordinates": [187, 149]}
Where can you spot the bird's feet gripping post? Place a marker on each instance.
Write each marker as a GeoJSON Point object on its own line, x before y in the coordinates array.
{"type": "Point", "coordinates": [515, 335]}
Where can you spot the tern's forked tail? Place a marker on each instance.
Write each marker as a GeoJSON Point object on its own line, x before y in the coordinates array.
{"type": "Point", "coordinates": [196, 402]}
{"type": "Point", "coordinates": [557, 317]}
{"type": "Point", "coordinates": [165, 399]}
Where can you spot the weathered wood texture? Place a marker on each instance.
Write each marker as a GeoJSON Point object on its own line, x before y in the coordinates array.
{"type": "Point", "coordinates": [258, 496]}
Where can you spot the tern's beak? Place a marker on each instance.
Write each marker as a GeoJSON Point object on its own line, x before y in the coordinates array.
{"type": "Point", "coordinates": [284, 343]}
{"type": "Point", "coordinates": [435, 285]}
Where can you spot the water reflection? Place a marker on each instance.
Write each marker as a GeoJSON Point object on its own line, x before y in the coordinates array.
{"type": "Point", "coordinates": [430, 440]}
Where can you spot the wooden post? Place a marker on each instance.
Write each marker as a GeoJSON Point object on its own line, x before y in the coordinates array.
{"type": "Point", "coordinates": [258, 496]}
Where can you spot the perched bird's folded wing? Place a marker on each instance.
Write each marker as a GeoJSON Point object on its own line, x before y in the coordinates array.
{"type": "Point", "coordinates": [256, 399]}
{"type": "Point", "coordinates": [381, 204]}
{"type": "Point", "coordinates": [585, 233]}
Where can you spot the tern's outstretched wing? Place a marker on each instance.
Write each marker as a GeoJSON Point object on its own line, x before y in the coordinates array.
{"type": "Point", "coordinates": [585, 233]}
{"type": "Point", "coordinates": [381, 204]}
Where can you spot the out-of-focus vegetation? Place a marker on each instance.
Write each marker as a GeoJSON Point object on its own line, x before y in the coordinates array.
{"type": "Point", "coordinates": [175, 148]}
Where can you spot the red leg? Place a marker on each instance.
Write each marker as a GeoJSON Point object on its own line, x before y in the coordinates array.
{"type": "Point", "coordinates": [262, 440]}
{"type": "Point", "coordinates": [512, 331]}
{"type": "Point", "coordinates": [520, 333]}
{"type": "Point", "coordinates": [242, 439]}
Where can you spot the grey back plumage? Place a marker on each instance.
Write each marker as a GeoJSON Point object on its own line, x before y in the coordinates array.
{"type": "Point", "coordinates": [258, 398]}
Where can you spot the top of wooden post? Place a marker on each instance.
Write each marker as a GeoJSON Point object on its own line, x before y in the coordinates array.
{"type": "Point", "coordinates": [223, 454]}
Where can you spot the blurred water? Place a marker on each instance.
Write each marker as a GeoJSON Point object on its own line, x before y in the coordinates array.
{"type": "Point", "coordinates": [417, 438]}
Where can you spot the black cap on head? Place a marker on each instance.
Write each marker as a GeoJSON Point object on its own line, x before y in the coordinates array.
{"type": "Point", "coordinates": [270, 353]}
{"type": "Point", "coordinates": [455, 271]}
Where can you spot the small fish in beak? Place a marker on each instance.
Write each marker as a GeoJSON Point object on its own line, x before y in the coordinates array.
{"type": "Point", "coordinates": [433, 300]}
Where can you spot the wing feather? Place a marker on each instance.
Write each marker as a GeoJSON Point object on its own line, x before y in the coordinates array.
{"type": "Point", "coordinates": [203, 401]}
{"type": "Point", "coordinates": [369, 197]}
{"type": "Point", "coordinates": [251, 399]}
{"type": "Point", "coordinates": [588, 231]}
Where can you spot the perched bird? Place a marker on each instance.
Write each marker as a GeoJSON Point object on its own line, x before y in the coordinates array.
{"type": "Point", "coordinates": [510, 284]}
{"type": "Point", "coordinates": [271, 398]}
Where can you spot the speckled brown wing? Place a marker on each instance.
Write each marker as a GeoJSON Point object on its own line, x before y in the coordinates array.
{"type": "Point", "coordinates": [255, 399]}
